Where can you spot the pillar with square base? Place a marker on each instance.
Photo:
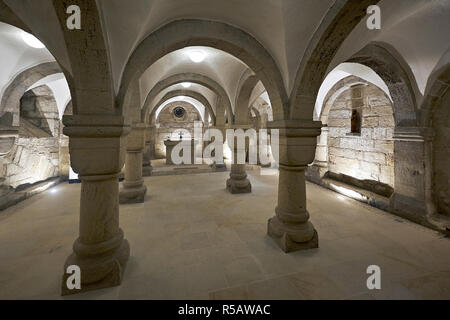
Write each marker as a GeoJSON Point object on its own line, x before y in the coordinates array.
{"type": "Point", "coordinates": [238, 181]}
{"type": "Point", "coordinates": [218, 166]}
{"type": "Point", "coordinates": [133, 188]}
{"type": "Point", "coordinates": [97, 149]}
{"type": "Point", "coordinates": [147, 168]}
{"type": "Point", "coordinates": [290, 227]}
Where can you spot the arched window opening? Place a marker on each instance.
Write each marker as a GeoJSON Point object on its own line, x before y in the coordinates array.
{"type": "Point", "coordinates": [357, 102]}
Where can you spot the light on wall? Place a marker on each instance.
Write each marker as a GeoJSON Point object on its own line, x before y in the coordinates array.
{"type": "Point", "coordinates": [186, 84]}
{"type": "Point", "coordinates": [32, 41]}
{"type": "Point", "coordinates": [196, 56]}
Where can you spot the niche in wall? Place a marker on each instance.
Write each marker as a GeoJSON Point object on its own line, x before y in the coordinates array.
{"type": "Point", "coordinates": [360, 145]}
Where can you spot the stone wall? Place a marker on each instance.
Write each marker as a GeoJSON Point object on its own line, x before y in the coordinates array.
{"type": "Point", "coordinates": [38, 107]}
{"type": "Point", "coordinates": [30, 160]}
{"type": "Point", "coordinates": [36, 152]}
{"type": "Point", "coordinates": [441, 156]}
{"type": "Point", "coordinates": [168, 124]}
{"type": "Point", "coordinates": [368, 155]}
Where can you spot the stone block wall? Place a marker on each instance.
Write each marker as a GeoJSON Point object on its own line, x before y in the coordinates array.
{"type": "Point", "coordinates": [441, 156]}
{"type": "Point", "coordinates": [35, 154]}
{"type": "Point", "coordinates": [168, 124]}
{"type": "Point", "coordinates": [38, 107]}
{"type": "Point", "coordinates": [29, 161]}
{"type": "Point", "coordinates": [370, 154]}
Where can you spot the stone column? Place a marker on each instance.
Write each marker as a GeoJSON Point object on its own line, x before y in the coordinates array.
{"type": "Point", "coordinates": [410, 184]}
{"type": "Point", "coordinates": [238, 182]}
{"type": "Point", "coordinates": [147, 154]}
{"type": "Point", "coordinates": [290, 227]}
{"type": "Point", "coordinates": [133, 188]}
{"type": "Point", "coordinates": [96, 145]}
{"type": "Point", "coordinates": [320, 165]}
{"type": "Point", "coordinates": [220, 166]}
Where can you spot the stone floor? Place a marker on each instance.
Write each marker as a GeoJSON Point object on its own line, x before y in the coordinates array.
{"type": "Point", "coordinates": [160, 168]}
{"type": "Point", "coordinates": [193, 240]}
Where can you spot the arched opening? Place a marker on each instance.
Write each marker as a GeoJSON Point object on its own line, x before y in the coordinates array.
{"type": "Point", "coordinates": [361, 160]}
{"type": "Point", "coordinates": [33, 93]}
{"type": "Point", "coordinates": [175, 121]}
{"type": "Point", "coordinates": [234, 42]}
{"type": "Point", "coordinates": [361, 154]}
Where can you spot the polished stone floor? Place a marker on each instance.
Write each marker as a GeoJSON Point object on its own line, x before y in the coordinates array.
{"type": "Point", "coordinates": [193, 240]}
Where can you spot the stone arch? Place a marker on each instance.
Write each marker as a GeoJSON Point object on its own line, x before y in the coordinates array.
{"type": "Point", "coordinates": [337, 24]}
{"type": "Point", "coordinates": [88, 58]}
{"type": "Point", "coordinates": [366, 154]}
{"type": "Point", "coordinates": [214, 34]}
{"type": "Point", "coordinates": [9, 17]}
{"type": "Point", "coordinates": [39, 115]}
{"type": "Point", "coordinates": [82, 75]}
{"type": "Point", "coordinates": [395, 74]}
{"type": "Point", "coordinates": [193, 108]}
{"type": "Point", "coordinates": [10, 102]}
{"type": "Point", "coordinates": [194, 78]}
{"type": "Point", "coordinates": [258, 123]}
{"type": "Point", "coordinates": [188, 93]}
{"type": "Point", "coordinates": [68, 109]}
{"type": "Point", "coordinates": [340, 87]}
{"type": "Point", "coordinates": [160, 107]}
{"type": "Point", "coordinates": [243, 99]}
{"type": "Point", "coordinates": [167, 126]}
{"type": "Point", "coordinates": [438, 86]}
{"type": "Point", "coordinates": [436, 118]}
{"type": "Point", "coordinates": [264, 108]}
{"type": "Point", "coordinates": [34, 156]}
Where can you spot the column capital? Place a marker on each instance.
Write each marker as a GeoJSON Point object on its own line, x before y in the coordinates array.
{"type": "Point", "coordinates": [8, 136]}
{"type": "Point", "coordinates": [97, 143]}
{"type": "Point", "coordinates": [413, 134]}
{"type": "Point", "coordinates": [297, 127]}
{"type": "Point", "coordinates": [297, 142]}
{"type": "Point", "coordinates": [136, 137]}
{"type": "Point", "coordinates": [240, 126]}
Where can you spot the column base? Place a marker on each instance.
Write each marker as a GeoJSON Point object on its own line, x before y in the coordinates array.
{"type": "Point", "coordinates": [132, 194]}
{"type": "Point", "coordinates": [98, 272]}
{"type": "Point", "coordinates": [239, 186]}
{"type": "Point", "coordinates": [293, 237]}
{"type": "Point", "coordinates": [147, 171]}
{"type": "Point", "coordinates": [219, 167]}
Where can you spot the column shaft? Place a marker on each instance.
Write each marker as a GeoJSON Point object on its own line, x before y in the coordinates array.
{"type": "Point", "coordinates": [100, 251]}
{"type": "Point", "coordinates": [238, 182]}
{"type": "Point", "coordinates": [290, 227]}
{"type": "Point", "coordinates": [147, 154]}
{"type": "Point", "coordinates": [133, 188]}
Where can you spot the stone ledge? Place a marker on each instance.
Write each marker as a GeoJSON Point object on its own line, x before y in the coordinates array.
{"type": "Point", "coordinates": [23, 192]}
{"type": "Point", "coordinates": [359, 194]}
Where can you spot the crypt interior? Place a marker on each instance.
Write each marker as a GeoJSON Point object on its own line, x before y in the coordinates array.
{"type": "Point", "coordinates": [89, 117]}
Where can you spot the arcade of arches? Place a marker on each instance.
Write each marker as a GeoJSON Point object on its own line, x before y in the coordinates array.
{"type": "Point", "coordinates": [88, 119]}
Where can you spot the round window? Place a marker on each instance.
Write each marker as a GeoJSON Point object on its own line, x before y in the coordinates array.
{"type": "Point", "coordinates": [179, 112]}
